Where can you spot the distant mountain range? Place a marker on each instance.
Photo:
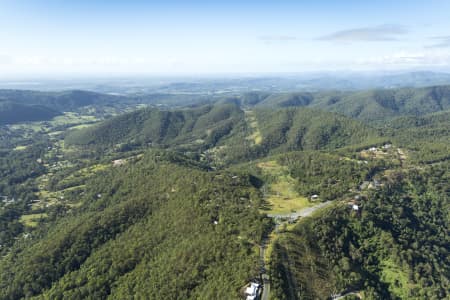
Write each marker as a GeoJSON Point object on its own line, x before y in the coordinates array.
{"type": "Point", "coordinates": [371, 106]}
{"type": "Point", "coordinates": [62, 101]}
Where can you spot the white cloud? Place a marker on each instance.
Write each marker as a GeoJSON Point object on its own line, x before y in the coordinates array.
{"type": "Point", "coordinates": [371, 34]}
{"type": "Point", "coordinates": [427, 58]}
{"type": "Point", "coordinates": [440, 42]}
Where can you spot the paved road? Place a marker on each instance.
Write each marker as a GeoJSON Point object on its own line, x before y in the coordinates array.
{"type": "Point", "coordinates": [301, 213]}
{"type": "Point", "coordinates": [266, 287]}
{"type": "Point", "coordinates": [265, 277]}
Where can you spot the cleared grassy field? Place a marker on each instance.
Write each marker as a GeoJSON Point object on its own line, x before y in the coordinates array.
{"type": "Point", "coordinates": [281, 195]}
{"type": "Point", "coordinates": [256, 136]}
{"type": "Point", "coordinates": [72, 118]}
{"type": "Point", "coordinates": [20, 148]}
{"type": "Point", "coordinates": [32, 220]}
{"type": "Point", "coordinates": [397, 279]}
{"type": "Point", "coordinates": [81, 126]}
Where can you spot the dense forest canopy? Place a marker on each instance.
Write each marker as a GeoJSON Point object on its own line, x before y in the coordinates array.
{"type": "Point", "coordinates": [370, 106]}
{"type": "Point", "coordinates": [192, 196]}
{"type": "Point", "coordinates": [150, 215]}
{"type": "Point", "coordinates": [11, 113]}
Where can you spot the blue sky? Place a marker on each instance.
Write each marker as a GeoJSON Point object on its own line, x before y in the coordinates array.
{"type": "Point", "coordinates": [195, 37]}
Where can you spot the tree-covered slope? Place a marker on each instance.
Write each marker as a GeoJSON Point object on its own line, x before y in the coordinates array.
{"type": "Point", "coordinates": [61, 101]}
{"type": "Point", "coordinates": [308, 129]}
{"type": "Point", "coordinates": [394, 247]}
{"type": "Point", "coordinates": [167, 128]}
{"type": "Point", "coordinates": [225, 130]}
{"type": "Point", "coordinates": [428, 136]}
{"type": "Point", "coordinates": [287, 99]}
{"type": "Point", "coordinates": [120, 224]}
{"type": "Point", "coordinates": [435, 123]}
{"type": "Point", "coordinates": [159, 228]}
{"type": "Point", "coordinates": [11, 113]}
{"type": "Point", "coordinates": [369, 106]}
{"type": "Point", "coordinates": [380, 105]}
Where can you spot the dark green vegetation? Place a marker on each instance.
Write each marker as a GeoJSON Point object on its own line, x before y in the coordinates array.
{"type": "Point", "coordinates": [369, 106]}
{"type": "Point", "coordinates": [40, 106]}
{"type": "Point", "coordinates": [206, 124]}
{"type": "Point", "coordinates": [223, 132]}
{"type": "Point", "coordinates": [29, 106]}
{"type": "Point", "coordinates": [61, 101]}
{"type": "Point", "coordinates": [165, 202]}
{"type": "Point", "coordinates": [18, 171]}
{"type": "Point", "coordinates": [152, 221]}
{"type": "Point", "coordinates": [330, 175]}
{"type": "Point", "coordinates": [307, 129]}
{"type": "Point", "coordinates": [428, 135]}
{"type": "Point", "coordinates": [11, 113]}
{"type": "Point", "coordinates": [396, 248]}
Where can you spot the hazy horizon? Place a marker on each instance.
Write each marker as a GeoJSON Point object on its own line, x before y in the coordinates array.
{"type": "Point", "coordinates": [126, 38]}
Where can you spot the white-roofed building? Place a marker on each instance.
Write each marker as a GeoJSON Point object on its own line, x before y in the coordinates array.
{"type": "Point", "coordinates": [252, 291]}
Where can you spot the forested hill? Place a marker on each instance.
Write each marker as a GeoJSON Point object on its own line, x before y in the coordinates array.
{"type": "Point", "coordinates": [370, 106]}
{"type": "Point", "coordinates": [309, 129]}
{"type": "Point", "coordinates": [11, 113]}
{"type": "Point", "coordinates": [61, 101]}
{"type": "Point", "coordinates": [183, 202]}
{"type": "Point", "coordinates": [154, 229]}
{"type": "Point", "coordinates": [395, 246]}
{"type": "Point", "coordinates": [29, 106]}
{"type": "Point", "coordinates": [226, 130]}
{"type": "Point", "coordinates": [432, 121]}
{"type": "Point", "coordinates": [205, 124]}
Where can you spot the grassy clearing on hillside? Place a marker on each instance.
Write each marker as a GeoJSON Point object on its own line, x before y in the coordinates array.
{"type": "Point", "coordinates": [20, 148]}
{"type": "Point", "coordinates": [81, 126]}
{"type": "Point", "coordinates": [74, 182]}
{"type": "Point", "coordinates": [68, 118]}
{"type": "Point", "coordinates": [281, 196]}
{"type": "Point", "coordinates": [397, 279]}
{"type": "Point", "coordinates": [72, 118]}
{"type": "Point", "coordinates": [31, 126]}
{"type": "Point", "coordinates": [55, 133]}
{"type": "Point", "coordinates": [256, 136]}
{"type": "Point", "coordinates": [32, 220]}
{"type": "Point", "coordinates": [87, 171]}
